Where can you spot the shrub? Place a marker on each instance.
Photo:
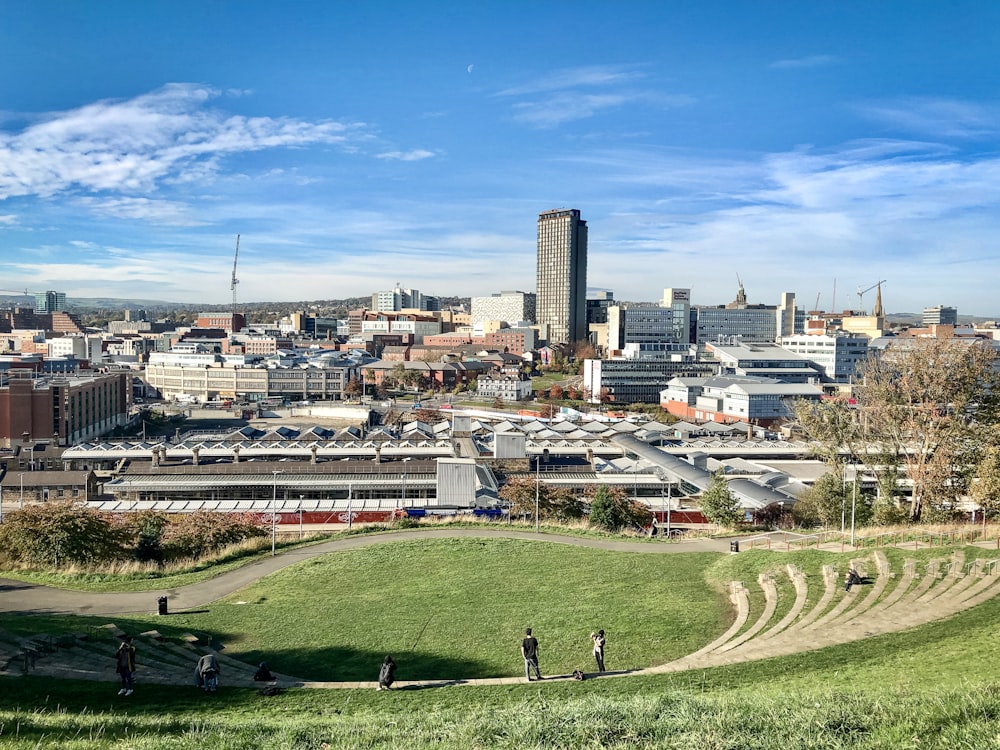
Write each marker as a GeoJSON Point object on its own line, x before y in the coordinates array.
{"type": "Point", "coordinates": [62, 533]}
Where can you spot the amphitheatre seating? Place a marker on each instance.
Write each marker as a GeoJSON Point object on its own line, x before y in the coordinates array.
{"type": "Point", "coordinates": [884, 603]}
{"type": "Point", "coordinates": [158, 660]}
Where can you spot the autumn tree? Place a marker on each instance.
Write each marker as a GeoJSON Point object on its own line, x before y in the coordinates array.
{"type": "Point", "coordinates": [62, 533]}
{"type": "Point", "coordinates": [986, 490]}
{"type": "Point", "coordinates": [353, 388]}
{"type": "Point", "coordinates": [556, 392]}
{"type": "Point", "coordinates": [923, 410]}
{"type": "Point", "coordinates": [519, 493]}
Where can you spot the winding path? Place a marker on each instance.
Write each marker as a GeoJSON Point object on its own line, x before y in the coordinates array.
{"type": "Point", "coordinates": [835, 617]}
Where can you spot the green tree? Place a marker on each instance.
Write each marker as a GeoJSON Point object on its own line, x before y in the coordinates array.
{"type": "Point", "coordinates": [612, 510]}
{"type": "Point", "coordinates": [719, 505]}
{"type": "Point", "coordinates": [566, 506]}
{"type": "Point", "coordinates": [824, 503]}
{"type": "Point", "coordinates": [986, 490]}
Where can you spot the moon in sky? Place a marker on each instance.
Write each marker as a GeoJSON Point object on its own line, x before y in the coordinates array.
{"type": "Point", "coordinates": [469, 69]}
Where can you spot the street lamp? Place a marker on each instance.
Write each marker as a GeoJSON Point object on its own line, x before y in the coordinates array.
{"type": "Point", "coordinates": [350, 503]}
{"type": "Point", "coordinates": [300, 515]}
{"type": "Point", "coordinates": [538, 466]}
{"type": "Point", "coordinates": [20, 500]}
{"type": "Point", "coordinates": [274, 505]}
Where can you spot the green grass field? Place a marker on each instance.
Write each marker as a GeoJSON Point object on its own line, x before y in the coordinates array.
{"type": "Point", "coordinates": [445, 606]}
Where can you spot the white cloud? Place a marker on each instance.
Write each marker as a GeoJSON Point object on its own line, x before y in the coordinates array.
{"type": "Point", "coordinates": [571, 78]}
{"type": "Point", "coordinates": [168, 213]}
{"type": "Point", "coordinates": [131, 146]}
{"type": "Point", "coordinates": [8, 219]}
{"type": "Point", "coordinates": [559, 108]}
{"type": "Point", "coordinates": [416, 154]}
{"type": "Point", "coordinates": [938, 117]}
{"type": "Point", "coordinates": [811, 61]}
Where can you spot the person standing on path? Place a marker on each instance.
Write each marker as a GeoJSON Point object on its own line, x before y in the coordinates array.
{"type": "Point", "coordinates": [386, 674]}
{"type": "Point", "coordinates": [598, 639]}
{"type": "Point", "coordinates": [125, 664]}
{"type": "Point", "coordinates": [529, 650]}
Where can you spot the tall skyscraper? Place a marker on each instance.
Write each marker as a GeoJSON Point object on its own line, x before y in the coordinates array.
{"type": "Point", "coordinates": [562, 275]}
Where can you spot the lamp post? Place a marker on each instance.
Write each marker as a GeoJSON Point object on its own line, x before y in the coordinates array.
{"type": "Point", "coordinates": [20, 499]}
{"type": "Point", "coordinates": [538, 466]}
{"type": "Point", "coordinates": [300, 516]}
{"type": "Point", "coordinates": [854, 502]}
{"type": "Point", "coordinates": [274, 506]}
{"type": "Point", "coordinates": [350, 504]}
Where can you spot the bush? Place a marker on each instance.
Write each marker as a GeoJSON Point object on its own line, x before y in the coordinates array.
{"type": "Point", "coordinates": [62, 533]}
{"type": "Point", "coordinates": [196, 534]}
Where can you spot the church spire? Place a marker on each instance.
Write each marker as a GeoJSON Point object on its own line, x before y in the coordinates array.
{"type": "Point", "coordinates": [878, 311]}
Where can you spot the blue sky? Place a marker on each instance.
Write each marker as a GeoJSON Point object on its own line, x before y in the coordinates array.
{"type": "Point", "coordinates": [804, 146]}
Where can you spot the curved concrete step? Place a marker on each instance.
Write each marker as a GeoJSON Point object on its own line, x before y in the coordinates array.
{"type": "Point", "coordinates": [766, 582]}
{"type": "Point", "coordinates": [798, 580]}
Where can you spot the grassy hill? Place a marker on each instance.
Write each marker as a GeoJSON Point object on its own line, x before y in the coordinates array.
{"type": "Point", "coordinates": [455, 608]}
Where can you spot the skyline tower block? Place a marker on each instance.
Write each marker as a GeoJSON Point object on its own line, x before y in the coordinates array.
{"type": "Point", "coordinates": [561, 285]}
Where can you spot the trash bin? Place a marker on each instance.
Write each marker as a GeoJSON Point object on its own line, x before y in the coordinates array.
{"type": "Point", "coordinates": [734, 546]}
{"type": "Point", "coordinates": [161, 605]}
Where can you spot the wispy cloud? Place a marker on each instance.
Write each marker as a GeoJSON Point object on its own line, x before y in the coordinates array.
{"type": "Point", "coordinates": [129, 147]}
{"type": "Point", "coordinates": [168, 213]}
{"type": "Point", "coordinates": [580, 93]}
{"type": "Point", "coordinates": [572, 78]}
{"type": "Point", "coordinates": [566, 107]}
{"type": "Point", "coordinates": [416, 154]}
{"type": "Point", "coordinates": [938, 117]}
{"type": "Point", "coordinates": [810, 61]}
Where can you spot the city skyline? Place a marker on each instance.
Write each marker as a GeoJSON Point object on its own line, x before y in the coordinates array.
{"type": "Point", "coordinates": [803, 147]}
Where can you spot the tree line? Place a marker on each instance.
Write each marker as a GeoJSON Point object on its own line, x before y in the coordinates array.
{"type": "Point", "coordinates": [917, 436]}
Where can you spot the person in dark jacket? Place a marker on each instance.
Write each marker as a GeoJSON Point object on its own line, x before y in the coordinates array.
{"type": "Point", "coordinates": [125, 664]}
{"type": "Point", "coordinates": [529, 650]}
{"type": "Point", "coordinates": [207, 673]}
{"type": "Point", "coordinates": [263, 674]}
{"type": "Point", "coordinates": [386, 674]}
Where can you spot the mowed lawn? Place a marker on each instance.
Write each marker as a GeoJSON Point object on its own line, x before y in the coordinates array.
{"type": "Point", "coordinates": [458, 609]}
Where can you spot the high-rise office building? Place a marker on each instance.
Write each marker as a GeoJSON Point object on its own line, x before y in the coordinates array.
{"type": "Point", "coordinates": [940, 315]}
{"type": "Point", "coordinates": [50, 302]}
{"type": "Point", "coordinates": [562, 275]}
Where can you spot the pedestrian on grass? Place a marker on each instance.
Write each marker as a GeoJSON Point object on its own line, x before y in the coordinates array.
{"type": "Point", "coordinates": [529, 650]}
{"type": "Point", "coordinates": [207, 673]}
{"type": "Point", "coordinates": [263, 674]}
{"type": "Point", "coordinates": [598, 639]}
{"type": "Point", "coordinates": [125, 664]}
{"type": "Point", "coordinates": [386, 674]}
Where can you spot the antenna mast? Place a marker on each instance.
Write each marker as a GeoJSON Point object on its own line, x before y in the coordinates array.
{"type": "Point", "coordinates": [235, 281]}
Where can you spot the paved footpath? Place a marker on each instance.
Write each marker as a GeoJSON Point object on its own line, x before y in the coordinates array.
{"type": "Point", "coordinates": [17, 596]}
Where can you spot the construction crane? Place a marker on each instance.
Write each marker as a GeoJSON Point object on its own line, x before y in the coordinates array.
{"type": "Point", "coordinates": [235, 281]}
{"type": "Point", "coordinates": [863, 292]}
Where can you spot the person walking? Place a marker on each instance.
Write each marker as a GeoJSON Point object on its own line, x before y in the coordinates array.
{"type": "Point", "coordinates": [598, 639]}
{"type": "Point", "coordinates": [207, 673]}
{"type": "Point", "coordinates": [529, 650]}
{"type": "Point", "coordinates": [386, 674]}
{"type": "Point", "coordinates": [125, 665]}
